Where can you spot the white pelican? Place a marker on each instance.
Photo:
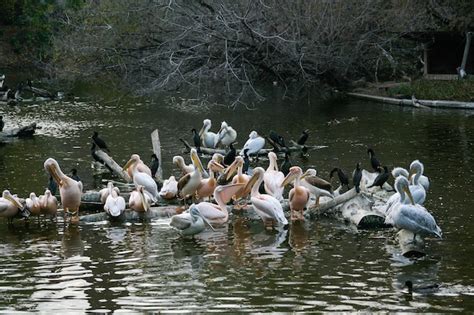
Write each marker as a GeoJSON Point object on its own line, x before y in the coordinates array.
{"type": "Point", "coordinates": [209, 139]}
{"type": "Point", "coordinates": [114, 204]}
{"type": "Point", "coordinates": [207, 186]}
{"type": "Point", "coordinates": [423, 180]}
{"type": "Point", "coordinates": [313, 189]}
{"type": "Point", "coordinates": [142, 179]}
{"type": "Point", "coordinates": [399, 171]}
{"type": "Point", "coordinates": [240, 178]}
{"type": "Point", "coordinates": [266, 206]}
{"type": "Point", "coordinates": [141, 167]}
{"type": "Point", "coordinates": [9, 206]}
{"type": "Point", "coordinates": [179, 162]}
{"type": "Point", "coordinates": [49, 203]}
{"type": "Point", "coordinates": [139, 200]}
{"type": "Point", "coordinates": [69, 189]}
{"type": "Point", "coordinates": [299, 195]}
{"type": "Point", "coordinates": [169, 189]}
{"type": "Point", "coordinates": [214, 213]}
{"type": "Point", "coordinates": [104, 193]}
{"type": "Point", "coordinates": [254, 144]}
{"type": "Point", "coordinates": [272, 178]}
{"type": "Point", "coordinates": [411, 217]}
{"type": "Point", "coordinates": [227, 134]}
{"type": "Point", "coordinates": [189, 183]}
{"type": "Point", "coordinates": [417, 168]}
{"type": "Point", "coordinates": [194, 225]}
{"type": "Point", "coordinates": [33, 204]}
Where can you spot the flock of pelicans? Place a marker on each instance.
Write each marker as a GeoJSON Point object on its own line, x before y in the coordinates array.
{"type": "Point", "coordinates": [229, 179]}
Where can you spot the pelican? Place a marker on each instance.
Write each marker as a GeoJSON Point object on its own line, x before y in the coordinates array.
{"type": "Point", "coordinates": [417, 168]}
{"type": "Point", "coordinates": [9, 206]}
{"type": "Point", "coordinates": [141, 167]}
{"type": "Point", "coordinates": [227, 134]}
{"type": "Point", "coordinates": [194, 225]}
{"type": "Point", "coordinates": [189, 183]}
{"type": "Point", "coordinates": [266, 206]}
{"type": "Point", "coordinates": [49, 203]}
{"type": "Point", "coordinates": [272, 178]}
{"type": "Point", "coordinates": [69, 189]}
{"type": "Point", "coordinates": [399, 171]}
{"type": "Point", "coordinates": [33, 204]}
{"type": "Point", "coordinates": [219, 158]}
{"type": "Point", "coordinates": [299, 195]}
{"type": "Point", "coordinates": [114, 204]}
{"type": "Point", "coordinates": [207, 186]}
{"type": "Point", "coordinates": [209, 139]}
{"type": "Point", "coordinates": [411, 217]}
{"type": "Point", "coordinates": [139, 200]}
{"type": "Point", "coordinates": [240, 178]}
{"type": "Point", "coordinates": [140, 178]}
{"type": "Point", "coordinates": [254, 144]}
{"type": "Point", "coordinates": [169, 189]}
{"type": "Point", "coordinates": [179, 162]}
{"type": "Point", "coordinates": [311, 177]}
{"type": "Point", "coordinates": [104, 193]}
{"type": "Point", "coordinates": [314, 189]}
{"type": "Point", "coordinates": [214, 213]}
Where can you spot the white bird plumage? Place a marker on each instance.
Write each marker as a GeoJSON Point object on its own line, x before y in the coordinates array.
{"type": "Point", "coordinates": [142, 179]}
{"type": "Point", "coordinates": [9, 206]}
{"type": "Point", "coordinates": [227, 134]}
{"type": "Point", "coordinates": [272, 178]}
{"type": "Point", "coordinates": [209, 139]}
{"type": "Point", "coordinates": [254, 144]}
{"type": "Point", "coordinates": [114, 204]}
{"type": "Point", "coordinates": [192, 224]}
{"type": "Point", "coordinates": [169, 190]}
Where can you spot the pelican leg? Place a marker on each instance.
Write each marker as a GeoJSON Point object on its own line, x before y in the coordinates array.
{"type": "Point", "coordinates": [317, 202]}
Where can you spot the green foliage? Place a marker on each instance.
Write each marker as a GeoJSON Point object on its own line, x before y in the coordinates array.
{"type": "Point", "coordinates": [458, 90]}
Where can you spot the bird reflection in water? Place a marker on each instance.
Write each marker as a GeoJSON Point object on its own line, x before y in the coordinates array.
{"type": "Point", "coordinates": [71, 244]}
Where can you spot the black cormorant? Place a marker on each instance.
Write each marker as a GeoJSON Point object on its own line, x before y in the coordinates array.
{"type": "Point", "coordinates": [357, 177]}
{"type": "Point", "coordinates": [99, 142]}
{"type": "Point", "coordinates": [373, 160]}
{"type": "Point", "coordinates": [154, 165]}
{"type": "Point", "coordinates": [196, 140]}
{"type": "Point", "coordinates": [286, 164]}
{"type": "Point", "coordinates": [2, 123]}
{"type": "Point", "coordinates": [381, 178]}
{"type": "Point", "coordinates": [341, 175]}
{"type": "Point", "coordinates": [74, 175]}
{"type": "Point", "coordinates": [230, 155]}
{"type": "Point", "coordinates": [304, 136]}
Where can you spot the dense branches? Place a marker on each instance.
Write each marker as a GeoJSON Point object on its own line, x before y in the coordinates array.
{"type": "Point", "coordinates": [156, 44]}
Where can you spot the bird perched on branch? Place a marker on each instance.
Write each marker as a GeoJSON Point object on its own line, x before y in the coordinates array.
{"type": "Point", "coordinates": [381, 178]}
{"type": "Point", "coordinates": [341, 175]}
{"type": "Point", "coordinates": [196, 140]}
{"type": "Point", "coordinates": [304, 136]}
{"type": "Point", "coordinates": [357, 177]}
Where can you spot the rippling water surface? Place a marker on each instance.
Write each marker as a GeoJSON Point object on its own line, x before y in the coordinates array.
{"type": "Point", "coordinates": [320, 265]}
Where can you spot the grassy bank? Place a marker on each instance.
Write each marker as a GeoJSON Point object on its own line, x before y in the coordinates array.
{"type": "Point", "coordinates": [455, 90]}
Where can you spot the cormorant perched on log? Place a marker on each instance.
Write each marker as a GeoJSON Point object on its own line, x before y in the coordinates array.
{"type": "Point", "coordinates": [230, 156]}
{"type": "Point", "coordinates": [342, 177]}
{"type": "Point", "coordinates": [357, 177]}
{"type": "Point", "coordinates": [381, 178]}
{"type": "Point", "coordinates": [286, 164]}
{"type": "Point", "coordinates": [99, 142]}
{"type": "Point", "coordinates": [74, 175]}
{"type": "Point", "coordinates": [304, 136]}
{"type": "Point", "coordinates": [246, 166]}
{"type": "Point", "coordinates": [275, 137]}
{"type": "Point", "coordinates": [373, 160]}
{"type": "Point", "coordinates": [154, 165]}
{"type": "Point", "coordinates": [2, 123]}
{"type": "Point", "coordinates": [196, 140]}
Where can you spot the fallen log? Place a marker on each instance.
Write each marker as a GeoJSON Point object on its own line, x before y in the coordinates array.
{"type": "Point", "coordinates": [411, 247]}
{"type": "Point", "coordinates": [131, 216]}
{"type": "Point", "coordinates": [112, 165]}
{"type": "Point", "coordinates": [25, 131]}
{"type": "Point", "coordinates": [410, 103]}
{"type": "Point", "coordinates": [262, 152]}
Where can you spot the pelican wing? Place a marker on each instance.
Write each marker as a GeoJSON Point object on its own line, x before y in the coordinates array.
{"type": "Point", "coordinates": [416, 219]}
{"type": "Point", "coordinates": [181, 221]}
{"type": "Point", "coordinates": [114, 206]}
{"type": "Point", "coordinates": [318, 182]}
{"type": "Point", "coordinates": [272, 183]}
{"type": "Point", "coordinates": [268, 207]}
{"type": "Point", "coordinates": [210, 211]}
{"type": "Point", "coordinates": [183, 181]}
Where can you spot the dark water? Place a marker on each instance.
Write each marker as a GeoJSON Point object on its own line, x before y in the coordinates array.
{"type": "Point", "coordinates": [321, 265]}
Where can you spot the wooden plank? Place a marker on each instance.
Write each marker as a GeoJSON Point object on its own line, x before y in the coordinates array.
{"type": "Point", "coordinates": [117, 169]}
{"type": "Point", "coordinates": [155, 141]}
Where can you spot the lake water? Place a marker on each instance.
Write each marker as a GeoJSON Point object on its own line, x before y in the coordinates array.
{"type": "Point", "coordinates": [321, 265]}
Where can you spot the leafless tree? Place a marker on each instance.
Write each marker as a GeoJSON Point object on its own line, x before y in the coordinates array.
{"type": "Point", "coordinates": [152, 45]}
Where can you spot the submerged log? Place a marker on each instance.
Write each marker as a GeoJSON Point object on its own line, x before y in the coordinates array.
{"type": "Point", "coordinates": [411, 247]}
{"type": "Point", "coordinates": [25, 131]}
{"type": "Point", "coordinates": [132, 216]}
{"type": "Point", "coordinates": [117, 169]}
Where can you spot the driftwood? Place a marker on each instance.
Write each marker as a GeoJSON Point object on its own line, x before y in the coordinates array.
{"type": "Point", "coordinates": [263, 152]}
{"type": "Point", "coordinates": [411, 248]}
{"type": "Point", "coordinates": [410, 103]}
{"type": "Point", "coordinates": [155, 141]}
{"type": "Point", "coordinates": [131, 216]}
{"type": "Point", "coordinates": [117, 169]}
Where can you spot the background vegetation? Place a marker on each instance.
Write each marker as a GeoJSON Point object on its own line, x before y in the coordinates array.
{"type": "Point", "coordinates": [152, 45]}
